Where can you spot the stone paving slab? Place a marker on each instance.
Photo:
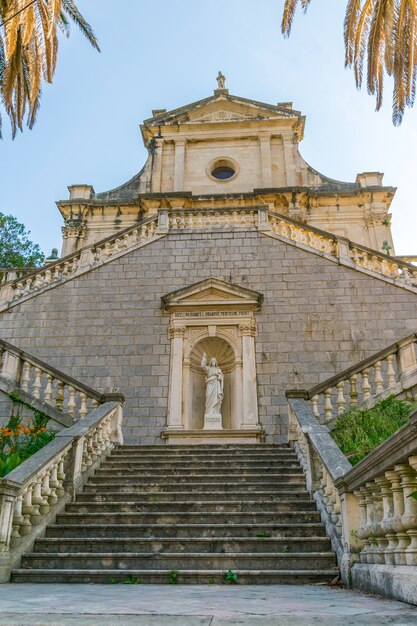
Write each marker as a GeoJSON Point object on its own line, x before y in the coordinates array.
{"type": "Point", "coordinates": [202, 605]}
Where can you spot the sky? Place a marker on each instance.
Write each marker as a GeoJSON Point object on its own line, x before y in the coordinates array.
{"type": "Point", "coordinates": [164, 54]}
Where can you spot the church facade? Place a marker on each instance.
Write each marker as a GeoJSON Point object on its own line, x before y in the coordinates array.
{"type": "Point", "coordinates": [226, 246]}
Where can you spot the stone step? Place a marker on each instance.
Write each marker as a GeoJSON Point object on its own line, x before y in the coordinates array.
{"type": "Point", "coordinates": [184, 530]}
{"type": "Point", "coordinates": [203, 479]}
{"type": "Point", "coordinates": [175, 560]}
{"type": "Point", "coordinates": [152, 487]}
{"type": "Point", "coordinates": [191, 517]}
{"type": "Point", "coordinates": [191, 577]}
{"type": "Point", "coordinates": [180, 506]}
{"type": "Point", "coordinates": [190, 544]}
{"type": "Point", "coordinates": [211, 447]}
{"type": "Point", "coordinates": [214, 465]}
{"type": "Point", "coordinates": [202, 456]}
{"type": "Point", "coordinates": [198, 472]}
{"type": "Point", "coordinates": [129, 494]}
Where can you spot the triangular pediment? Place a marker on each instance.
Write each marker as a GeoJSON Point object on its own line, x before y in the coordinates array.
{"type": "Point", "coordinates": [223, 107]}
{"type": "Point", "coordinates": [212, 294]}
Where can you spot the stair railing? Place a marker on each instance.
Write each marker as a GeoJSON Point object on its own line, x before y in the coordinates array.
{"type": "Point", "coordinates": [368, 510]}
{"type": "Point", "coordinates": [33, 493]}
{"type": "Point", "coordinates": [47, 384]}
{"type": "Point", "coordinates": [78, 262]}
{"type": "Point", "coordinates": [390, 371]}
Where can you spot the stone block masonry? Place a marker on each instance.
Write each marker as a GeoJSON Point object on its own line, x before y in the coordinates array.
{"type": "Point", "coordinates": [106, 328]}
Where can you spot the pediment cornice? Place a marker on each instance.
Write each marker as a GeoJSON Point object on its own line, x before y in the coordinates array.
{"type": "Point", "coordinates": [212, 294]}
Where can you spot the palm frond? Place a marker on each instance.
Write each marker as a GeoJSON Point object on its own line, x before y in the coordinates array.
{"type": "Point", "coordinates": [69, 8]}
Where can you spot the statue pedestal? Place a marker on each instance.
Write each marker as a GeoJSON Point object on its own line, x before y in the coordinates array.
{"type": "Point", "coordinates": [212, 421]}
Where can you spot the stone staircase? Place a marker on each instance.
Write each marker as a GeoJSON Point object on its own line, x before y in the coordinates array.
{"type": "Point", "coordinates": [189, 514]}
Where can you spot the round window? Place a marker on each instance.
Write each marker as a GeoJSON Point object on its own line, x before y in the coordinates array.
{"type": "Point", "coordinates": [222, 172]}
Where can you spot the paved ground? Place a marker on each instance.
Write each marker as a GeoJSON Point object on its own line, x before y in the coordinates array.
{"type": "Point", "coordinates": [203, 605]}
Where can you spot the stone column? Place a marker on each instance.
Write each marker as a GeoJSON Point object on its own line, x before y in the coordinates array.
{"type": "Point", "coordinates": [157, 167]}
{"type": "Point", "coordinates": [179, 164]}
{"type": "Point", "coordinates": [249, 391]}
{"type": "Point", "coordinates": [266, 164]}
{"type": "Point", "coordinates": [288, 144]}
{"type": "Point", "coordinates": [73, 238]}
{"type": "Point", "coordinates": [174, 416]}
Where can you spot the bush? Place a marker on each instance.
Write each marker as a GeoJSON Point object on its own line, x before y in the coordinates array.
{"type": "Point", "coordinates": [358, 432]}
{"type": "Point", "coordinates": [19, 441]}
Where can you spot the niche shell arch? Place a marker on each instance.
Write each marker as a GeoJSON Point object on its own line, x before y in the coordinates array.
{"type": "Point", "coordinates": [217, 318]}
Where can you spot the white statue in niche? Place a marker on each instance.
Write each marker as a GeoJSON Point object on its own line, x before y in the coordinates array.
{"type": "Point", "coordinates": [214, 393]}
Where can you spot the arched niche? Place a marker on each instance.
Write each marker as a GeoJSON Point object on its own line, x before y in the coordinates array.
{"type": "Point", "coordinates": [225, 354]}
{"type": "Point", "coordinates": [217, 318]}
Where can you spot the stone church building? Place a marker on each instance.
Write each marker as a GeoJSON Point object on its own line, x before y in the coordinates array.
{"type": "Point", "coordinates": [226, 243]}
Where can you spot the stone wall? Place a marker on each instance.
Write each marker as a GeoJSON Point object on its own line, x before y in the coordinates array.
{"type": "Point", "coordinates": [107, 329]}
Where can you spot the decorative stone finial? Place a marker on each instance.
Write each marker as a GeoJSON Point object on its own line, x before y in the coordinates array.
{"type": "Point", "coordinates": [53, 256]}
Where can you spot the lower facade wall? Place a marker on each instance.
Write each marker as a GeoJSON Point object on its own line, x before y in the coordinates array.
{"type": "Point", "coordinates": [106, 328]}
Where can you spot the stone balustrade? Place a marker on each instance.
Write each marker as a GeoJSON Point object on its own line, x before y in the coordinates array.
{"type": "Point", "coordinates": [301, 233]}
{"type": "Point", "coordinates": [212, 218]}
{"type": "Point", "coordinates": [21, 283]}
{"type": "Point", "coordinates": [46, 384]}
{"type": "Point", "coordinates": [368, 510]}
{"type": "Point", "coordinates": [347, 252]}
{"type": "Point", "coordinates": [29, 282]}
{"type": "Point", "coordinates": [392, 370]}
{"type": "Point", "coordinates": [33, 493]}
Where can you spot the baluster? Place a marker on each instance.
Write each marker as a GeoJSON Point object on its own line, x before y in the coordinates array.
{"type": "Point", "coordinates": [95, 403]}
{"type": "Point", "coordinates": [54, 484]}
{"type": "Point", "coordinates": [59, 401]}
{"type": "Point", "coordinates": [37, 497]}
{"type": "Point", "coordinates": [46, 491]}
{"type": "Point", "coordinates": [190, 220]}
{"type": "Point", "coordinates": [18, 520]}
{"type": "Point", "coordinates": [391, 370]}
{"type": "Point", "coordinates": [379, 381]}
{"type": "Point", "coordinates": [30, 508]}
{"type": "Point", "coordinates": [18, 291]}
{"type": "Point", "coordinates": [340, 401]}
{"type": "Point", "coordinates": [315, 406]}
{"type": "Point", "coordinates": [60, 491]}
{"type": "Point", "coordinates": [48, 389]}
{"type": "Point", "coordinates": [37, 383]}
{"type": "Point", "coordinates": [25, 376]}
{"type": "Point", "coordinates": [83, 407]}
{"type": "Point", "coordinates": [328, 408]}
{"type": "Point", "coordinates": [366, 387]}
{"type": "Point", "coordinates": [353, 391]}
{"type": "Point", "coordinates": [71, 401]}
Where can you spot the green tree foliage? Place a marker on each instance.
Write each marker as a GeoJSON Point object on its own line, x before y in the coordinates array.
{"type": "Point", "coordinates": [16, 249]}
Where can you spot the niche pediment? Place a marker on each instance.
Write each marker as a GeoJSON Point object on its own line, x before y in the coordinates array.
{"type": "Point", "coordinates": [210, 295]}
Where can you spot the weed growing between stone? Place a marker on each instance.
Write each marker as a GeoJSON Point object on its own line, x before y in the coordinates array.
{"type": "Point", "coordinates": [231, 577]}
{"type": "Point", "coordinates": [19, 441]}
{"type": "Point", "coordinates": [173, 577]}
{"type": "Point", "coordinates": [358, 432]}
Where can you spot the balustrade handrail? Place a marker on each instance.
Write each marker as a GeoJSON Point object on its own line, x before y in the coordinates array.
{"type": "Point", "coordinates": [211, 209]}
{"type": "Point", "coordinates": [65, 378]}
{"type": "Point", "coordinates": [308, 394]}
{"type": "Point", "coordinates": [381, 255]}
{"type": "Point", "coordinates": [33, 493]}
{"type": "Point", "coordinates": [300, 224]}
{"type": "Point", "coordinates": [319, 436]}
{"type": "Point", "coordinates": [32, 272]}
{"type": "Point", "coordinates": [63, 440]}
